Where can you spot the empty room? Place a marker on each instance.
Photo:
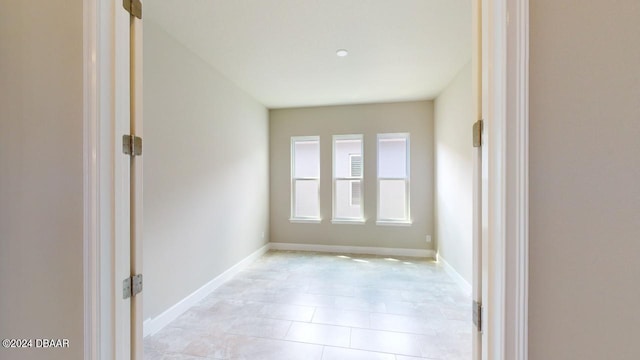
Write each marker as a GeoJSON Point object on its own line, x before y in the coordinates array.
{"type": "Point", "coordinates": [262, 179]}
{"type": "Point", "coordinates": [305, 165]}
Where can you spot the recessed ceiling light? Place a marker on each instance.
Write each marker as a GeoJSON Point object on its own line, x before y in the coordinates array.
{"type": "Point", "coordinates": [342, 53]}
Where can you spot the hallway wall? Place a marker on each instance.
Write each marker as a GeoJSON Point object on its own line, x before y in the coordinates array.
{"type": "Point", "coordinates": [369, 119]}
{"type": "Point", "coordinates": [206, 176]}
{"type": "Point", "coordinates": [454, 173]}
{"type": "Point", "coordinates": [41, 189]}
{"type": "Point", "coordinates": [584, 180]}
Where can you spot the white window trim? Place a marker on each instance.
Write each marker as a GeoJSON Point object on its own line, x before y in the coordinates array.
{"type": "Point", "coordinates": [394, 222]}
{"type": "Point", "coordinates": [349, 220]}
{"type": "Point", "coordinates": [293, 179]}
{"type": "Point", "coordinates": [305, 220]}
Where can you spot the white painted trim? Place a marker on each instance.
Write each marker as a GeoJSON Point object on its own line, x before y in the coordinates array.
{"type": "Point", "coordinates": [495, 293]}
{"type": "Point", "coordinates": [340, 249]}
{"type": "Point", "coordinates": [507, 307]}
{"type": "Point", "coordinates": [151, 326]}
{"type": "Point", "coordinates": [98, 179]}
{"type": "Point", "coordinates": [464, 285]}
{"type": "Point", "coordinates": [91, 197]}
{"type": "Point", "coordinates": [349, 221]}
{"type": "Point", "coordinates": [393, 223]}
{"type": "Point", "coordinates": [122, 216]}
{"type": "Point", "coordinates": [477, 274]}
{"type": "Point", "coordinates": [521, 168]}
{"type": "Point", "coordinates": [105, 59]}
{"type": "Point", "coordinates": [305, 221]}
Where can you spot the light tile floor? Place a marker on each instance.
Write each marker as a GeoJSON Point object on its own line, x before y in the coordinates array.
{"type": "Point", "coordinates": [316, 306]}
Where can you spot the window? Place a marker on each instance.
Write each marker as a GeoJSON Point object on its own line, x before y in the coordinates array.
{"type": "Point", "coordinates": [305, 179]}
{"type": "Point", "coordinates": [347, 179]}
{"type": "Point", "coordinates": [393, 179]}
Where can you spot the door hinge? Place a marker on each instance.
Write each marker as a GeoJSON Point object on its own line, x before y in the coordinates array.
{"type": "Point", "coordinates": [134, 7]}
{"type": "Point", "coordinates": [131, 286]}
{"type": "Point", "coordinates": [477, 315]}
{"type": "Point", "coordinates": [477, 133]}
{"type": "Point", "coordinates": [132, 145]}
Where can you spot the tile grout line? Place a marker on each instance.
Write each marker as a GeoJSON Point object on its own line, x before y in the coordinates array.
{"type": "Point", "coordinates": [313, 315]}
{"type": "Point", "coordinates": [288, 330]}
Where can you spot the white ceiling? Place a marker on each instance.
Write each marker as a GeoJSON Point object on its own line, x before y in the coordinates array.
{"type": "Point", "coordinates": [283, 52]}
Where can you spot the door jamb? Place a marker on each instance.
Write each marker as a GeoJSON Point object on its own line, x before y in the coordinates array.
{"type": "Point", "coordinates": [91, 199]}
{"type": "Point", "coordinates": [508, 308]}
{"type": "Point", "coordinates": [99, 140]}
{"type": "Point", "coordinates": [508, 143]}
{"type": "Point", "coordinates": [518, 81]}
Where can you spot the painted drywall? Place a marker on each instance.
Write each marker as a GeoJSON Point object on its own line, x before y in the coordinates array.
{"type": "Point", "coordinates": [584, 180]}
{"type": "Point", "coordinates": [453, 113]}
{"type": "Point", "coordinates": [206, 181]}
{"type": "Point", "coordinates": [41, 208]}
{"type": "Point", "coordinates": [415, 118]}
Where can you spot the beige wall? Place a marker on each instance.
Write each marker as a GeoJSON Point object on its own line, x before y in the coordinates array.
{"type": "Point", "coordinates": [41, 176]}
{"type": "Point", "coordinates": [585, 180]}
{"type": "Point", "coordinates": [206, 180]}
{"type": "Point", "coordinates": [454, 173]}
{"type": "Point", "coordinates": [413, 117]}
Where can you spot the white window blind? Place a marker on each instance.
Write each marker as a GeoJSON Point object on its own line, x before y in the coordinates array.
{"type": "Point", "coordinates": [348, 175]}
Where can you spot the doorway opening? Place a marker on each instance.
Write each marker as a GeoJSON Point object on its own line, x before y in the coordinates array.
{"type": "Point", "coordinates": [403, 74]}
{"type": "Point", "coordinates": [105, 323]}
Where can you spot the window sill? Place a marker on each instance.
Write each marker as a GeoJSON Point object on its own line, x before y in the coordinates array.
{"type": "Point", "coordinates": [305, 221]}
{"type": "Point", "coordinates": [349, 221]}
{"type": "Point", "coordinates": [393, 223]}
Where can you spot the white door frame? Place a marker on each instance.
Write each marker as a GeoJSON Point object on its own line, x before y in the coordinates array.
{"type": "Point", "coordinates": [105, 179]}
{"type": "Point", "coordinates": [516, 221]}
{"type": "Point", "coordinates": [507, 130]}
{"type": "Point", "coordinates": [505, 251]}
{"type": "Point", "coordinates": [97, 179]}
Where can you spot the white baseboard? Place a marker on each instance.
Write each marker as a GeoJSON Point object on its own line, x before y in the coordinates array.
{"type": "Point", "coordinates": [455, 275]}
{"type": "Point", "coordinates": [354, 250]}
{"type": "Point", "coordinates": [153, 325]}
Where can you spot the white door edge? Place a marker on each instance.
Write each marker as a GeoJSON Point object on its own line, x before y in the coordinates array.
{"type": "Point", "coordinates": [477, 199]}
{"type": "Point", "coordinates": [137, 119]}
